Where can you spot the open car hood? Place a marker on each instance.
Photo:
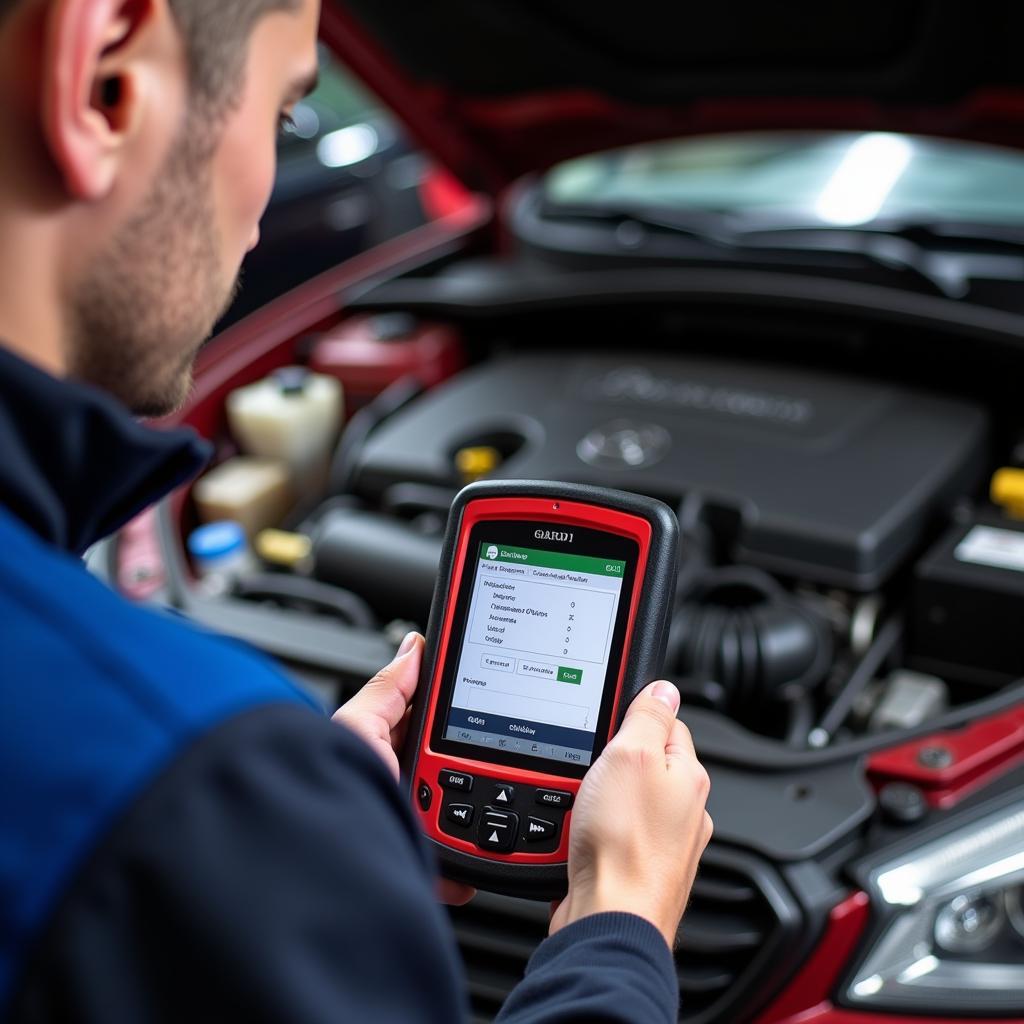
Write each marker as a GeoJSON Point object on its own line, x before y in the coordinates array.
{"type": "Point", "coordinates": [496, 88]}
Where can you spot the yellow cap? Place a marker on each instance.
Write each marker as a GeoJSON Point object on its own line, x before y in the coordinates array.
{"type": "Point", "coordinates": [278, 547]}
{"type": "Point", "coordinates": [1007, 490]}
{"type": "Point", "coordinates": [474, 463]}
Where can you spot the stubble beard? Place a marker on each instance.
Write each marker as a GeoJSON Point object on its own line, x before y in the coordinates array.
{"type": "Point", "coordinates": [151, 299]}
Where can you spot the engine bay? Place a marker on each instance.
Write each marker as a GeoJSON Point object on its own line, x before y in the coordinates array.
{"type": "Point", "coordinates": [801, 495]}
{"type": "Point", "coordinates": [814, 599]}
{"type": "Point", "coordinates": [850, 494]}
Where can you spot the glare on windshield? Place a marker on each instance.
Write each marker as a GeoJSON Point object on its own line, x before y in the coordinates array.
{"type": "Point", "coordinates": [825, 178]}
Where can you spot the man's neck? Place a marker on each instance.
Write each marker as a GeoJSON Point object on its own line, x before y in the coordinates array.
{"type": "Point", "coordinates": [30, 299]}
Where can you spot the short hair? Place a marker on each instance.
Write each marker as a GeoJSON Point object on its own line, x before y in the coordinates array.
{"type": "Point", "coordinates": [216, 35]}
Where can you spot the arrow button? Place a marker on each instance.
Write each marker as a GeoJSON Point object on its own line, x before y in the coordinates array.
{"type": "Point", "coordinates": [498, 830]}
{"type": "Point", "coordinates": [503, 794]}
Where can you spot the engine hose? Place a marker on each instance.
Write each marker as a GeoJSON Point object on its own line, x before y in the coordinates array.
{"type": "Point", "coordinates": [383, 559]}
{"type": "Point", "coordinates": [741, 629]}
{"type": "Point", "coordinates": [293, 591]}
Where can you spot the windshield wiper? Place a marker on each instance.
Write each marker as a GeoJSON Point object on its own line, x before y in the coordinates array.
{"type": "Point", "coordinates": [705, 226]}
{"type": "Point", "coordinates": [948, 257]}
{"type": "Point", "coordinates": [930, 252]}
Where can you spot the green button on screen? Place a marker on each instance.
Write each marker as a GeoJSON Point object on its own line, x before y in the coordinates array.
{"type": "Point", "coordinates": [570, 675]}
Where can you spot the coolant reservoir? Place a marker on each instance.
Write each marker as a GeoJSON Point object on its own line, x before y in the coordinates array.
{"type": "Point", "coordinates": [254, 492]}
{"type": "Point", "coordinates": [292, 415]}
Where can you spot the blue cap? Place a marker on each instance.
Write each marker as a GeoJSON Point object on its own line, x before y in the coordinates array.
{"type": "Point", "coordinates": [291, 380]}
{"type": "Point", "coordinates": [216, 540]}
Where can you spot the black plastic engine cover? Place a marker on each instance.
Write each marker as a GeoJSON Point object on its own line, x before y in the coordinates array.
{"type": "Point", "coordinates": [834, 479]}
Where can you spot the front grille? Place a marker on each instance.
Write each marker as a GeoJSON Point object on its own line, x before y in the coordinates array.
{"type": "Point", "coordinates": [734, 940]}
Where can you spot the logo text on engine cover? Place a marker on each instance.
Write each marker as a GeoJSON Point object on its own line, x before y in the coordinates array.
{"type": "Point", "coordinates": [639, 385]}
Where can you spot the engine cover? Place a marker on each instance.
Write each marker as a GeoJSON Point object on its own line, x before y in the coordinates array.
{"type": "Point", "coordinates": [834, 479]}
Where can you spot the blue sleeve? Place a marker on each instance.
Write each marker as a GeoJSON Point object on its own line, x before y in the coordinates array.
{"type": "Point", "coordinates": [604, 969]}
{"type": "Point", "coordinates": [273, 873]}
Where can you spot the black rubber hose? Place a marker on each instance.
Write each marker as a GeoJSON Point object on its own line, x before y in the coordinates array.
{"type": "Point", "coordinates": [391, 565]}
{"type": "Point", "coordinates": [744, 631]}
{"type": "Point", "coordinates": [734, 745]}
{"type": "Point", "coordinates": [295, 591]}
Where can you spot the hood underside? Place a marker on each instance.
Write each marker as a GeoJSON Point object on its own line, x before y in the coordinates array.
{"type": "Point", "coordinates": [503, 87]}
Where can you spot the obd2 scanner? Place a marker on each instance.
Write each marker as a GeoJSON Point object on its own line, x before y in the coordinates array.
{"type": "Point", "coordinates": [550, 614]}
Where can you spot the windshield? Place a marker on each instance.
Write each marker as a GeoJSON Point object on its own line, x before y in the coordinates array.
{"type": "Point", "coordinates": [806, 178]}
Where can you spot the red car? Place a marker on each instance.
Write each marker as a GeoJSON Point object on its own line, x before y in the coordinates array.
{"type": "Point", "coordinates": [792, 307]}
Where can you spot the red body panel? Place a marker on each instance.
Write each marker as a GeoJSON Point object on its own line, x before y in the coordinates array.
{"type": "Point", "coordinates": [978, 753]}
{"type": "Point", "coordinates": [367, 364]}
{"type": "Point", "coordinates": [828, 1014]}
{"type": "Point", "coordinates": [531, 132]}
{"type": "Point", "coordinates": [429, 763]}
{"type": "Point", "coordinates": [807, 994]}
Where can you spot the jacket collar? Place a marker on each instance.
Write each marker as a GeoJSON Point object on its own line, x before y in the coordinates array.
{"type": "Point", "coordinates": [74, 464]}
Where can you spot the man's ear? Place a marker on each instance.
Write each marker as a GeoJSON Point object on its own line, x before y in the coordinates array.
{"type": "Point", "coordinates": [98, 74]}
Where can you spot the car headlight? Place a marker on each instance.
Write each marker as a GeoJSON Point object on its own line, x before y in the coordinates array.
{"type": "Point", "coordinates": [951, 937]}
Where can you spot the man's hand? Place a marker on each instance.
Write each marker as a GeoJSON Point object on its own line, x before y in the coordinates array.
{"type": "Point", "coordinates": [639, 826]}
{"type": "Point", "coordinates": [379, 713]}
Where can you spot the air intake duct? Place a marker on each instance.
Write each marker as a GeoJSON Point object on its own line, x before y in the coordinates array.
{"type": "Point", "coordinates": [748, 640]}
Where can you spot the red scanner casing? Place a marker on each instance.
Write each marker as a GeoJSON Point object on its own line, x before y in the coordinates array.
{"type": "Point", "coordinates": [648, 523]}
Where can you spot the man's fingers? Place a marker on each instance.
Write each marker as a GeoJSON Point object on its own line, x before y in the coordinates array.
{"type": "Point", "coordinates": [649, 719]}
{"type": "Point", "coordinates": [388, 693]}
{"type": "Point", "coordinates": [400, 731]}
{"type": "Point", "coordinates": [680, 742]}
{"type": "Point", "coordinates": [681, 757]}
{"type": "Point", "coordinates": [454, 894]}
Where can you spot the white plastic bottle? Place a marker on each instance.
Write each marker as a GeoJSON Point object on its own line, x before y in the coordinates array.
{"type": "Point", "coordinates": [293, 415]}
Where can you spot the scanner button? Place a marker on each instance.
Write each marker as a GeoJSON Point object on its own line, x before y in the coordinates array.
{"type": "Point", "coordinates": [424, 795]}
{"type": "Point", "coordinates": [537, 830]}
{"type": "Point", "coordinates": [455, 780]}
{"type": "Point", "coordinates": [460, 814]}
{"type": "Point", "coordinates": [497, 830]}
{"type": "Point", "coordinates": [554, 798]}
{"type": "Point", "coordinates": [503, 794]}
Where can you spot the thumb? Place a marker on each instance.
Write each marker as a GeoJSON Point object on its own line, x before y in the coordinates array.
{"type": "Point", "coordinates": [390, 691]}
{"type": "Point", "coordinates": [650, 718]}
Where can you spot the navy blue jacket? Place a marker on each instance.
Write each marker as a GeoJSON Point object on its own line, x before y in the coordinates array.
{"type": "Point", "coordinates": [183, 835]}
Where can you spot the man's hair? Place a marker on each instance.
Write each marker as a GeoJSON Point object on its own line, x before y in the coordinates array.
{"type": "Point", "coordinates": [216, 35]}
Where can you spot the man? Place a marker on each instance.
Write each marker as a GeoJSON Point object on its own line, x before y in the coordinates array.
{"type": "Point", "coordinates": [182, 836]}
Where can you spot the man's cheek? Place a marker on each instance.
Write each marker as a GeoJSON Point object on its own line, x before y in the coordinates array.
{"type": "Point", "coordinates": [249, 195]}
{"type": "Point", "coordinates": [255, 183]}
{"type": "Point", "coordinates": [246, 168]}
